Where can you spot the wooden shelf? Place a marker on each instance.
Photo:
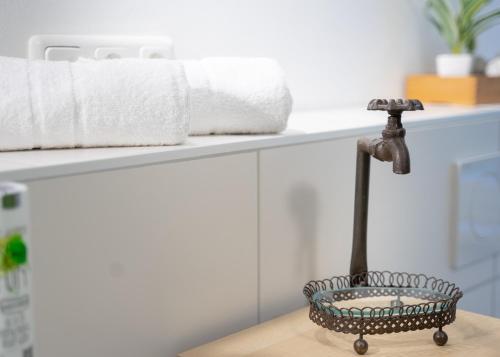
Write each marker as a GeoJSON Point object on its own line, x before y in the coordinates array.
{"type": "Point", "coordinates": [294, 335]}
{"type": "Point", "coordinates": [469, 90]}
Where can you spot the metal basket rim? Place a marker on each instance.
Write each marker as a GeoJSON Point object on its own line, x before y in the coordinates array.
{"type": "Point", "coordinates": [429, 308]}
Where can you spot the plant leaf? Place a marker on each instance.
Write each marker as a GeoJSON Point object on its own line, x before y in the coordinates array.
{"type": "Point", "coordinates": [443, 19]}
{"type": "Point", "coordinates": [486, 19]}
{"type": "Point", "coordinates": [468, 11]}
{"type": "Point", "coordinates": [480, 25]}
{"type": "Point", "coordinates": [472, 7]}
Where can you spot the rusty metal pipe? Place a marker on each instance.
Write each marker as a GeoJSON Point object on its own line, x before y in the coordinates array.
{"type": "Point", "coordinates": [359, 263]}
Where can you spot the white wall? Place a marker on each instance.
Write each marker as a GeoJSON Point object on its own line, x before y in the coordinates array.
{"type": "Point", "coordinates": [335, 52]}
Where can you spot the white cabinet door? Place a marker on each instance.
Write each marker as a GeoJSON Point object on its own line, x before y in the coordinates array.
{"type": "Point", "coordinates": [479, 300]}
{"type": "Point", "coordinates": [147, 261]}
{"type": "Point", "coordinates": [496, 295]}
{"type": "Point", "coordinates": [306, 212]}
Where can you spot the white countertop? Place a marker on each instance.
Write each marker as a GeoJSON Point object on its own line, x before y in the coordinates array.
{"type": "Point", "coordinates": [303, 127]}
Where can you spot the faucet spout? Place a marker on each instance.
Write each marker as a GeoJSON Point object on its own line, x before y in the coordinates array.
{"type": "Point", "coordinates": [399, 155]}
{"type": "Point", "coordinates": [391, 147]}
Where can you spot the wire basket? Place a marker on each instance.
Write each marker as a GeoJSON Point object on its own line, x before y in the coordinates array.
{"type": "Point", "coordinates": [432, 304]}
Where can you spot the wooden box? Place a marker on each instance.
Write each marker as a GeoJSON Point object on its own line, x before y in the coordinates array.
{"type": "Point", "coordinates": [455, 90]}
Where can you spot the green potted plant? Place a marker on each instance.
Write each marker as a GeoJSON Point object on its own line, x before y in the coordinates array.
{"type": "Point", "coordinates": [460, 22]}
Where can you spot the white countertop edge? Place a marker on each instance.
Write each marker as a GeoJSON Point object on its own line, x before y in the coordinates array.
{"type": "Point", "coordinates": [196, 148]}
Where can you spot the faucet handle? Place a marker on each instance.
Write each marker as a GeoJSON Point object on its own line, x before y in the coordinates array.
{"type": "Point", "coordinates": [395, 105]}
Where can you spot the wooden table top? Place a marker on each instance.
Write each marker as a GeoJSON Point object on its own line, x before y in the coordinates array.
{"type": "Point", "coordinates": [294, 335]}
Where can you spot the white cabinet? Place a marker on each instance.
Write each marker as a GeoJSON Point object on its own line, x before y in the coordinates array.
{"type": "Point", "coordinates": [306, 210]}
{"type": "Point", "coordinates": [147, 261]}
{"type": "Point", "coordinates": [477, 224]}
{"type": "Point", "coordinates": [153, 260]}
{"type": "Point", "coordinates": [479, 299]}
{"type": "Point", "coordinates": [496, 295]}
{"type": "Point", "coordinates": [412, 217]}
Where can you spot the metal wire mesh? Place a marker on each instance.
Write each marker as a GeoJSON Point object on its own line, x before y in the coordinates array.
{"type": "Point", "coordinates": [438, 310]}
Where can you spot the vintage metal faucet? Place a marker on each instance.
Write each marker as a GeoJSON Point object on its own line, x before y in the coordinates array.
{"type": "Point", "coordinates": [391, 147]}
{"type": "Point", "coordinates": [433, 301]}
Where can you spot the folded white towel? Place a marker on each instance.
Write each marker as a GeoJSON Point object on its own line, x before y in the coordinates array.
{"type": "Point", "coordinates": [16, 119]}
{"type": "Point", "coordinates": [131, 102]}
{"type": "Point", "coordinates": [53, 104]}
{"type": "Point", "coordinates": [92, 103]}
{"type": "Point", "coordinates": [237, 96]}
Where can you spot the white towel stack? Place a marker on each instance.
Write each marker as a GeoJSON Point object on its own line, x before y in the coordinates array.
{"type": "Point", "coordinates": [131, 102]}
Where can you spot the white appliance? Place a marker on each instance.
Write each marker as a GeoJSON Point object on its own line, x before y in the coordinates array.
{"type": "Point", "coordinates": [16, 321]}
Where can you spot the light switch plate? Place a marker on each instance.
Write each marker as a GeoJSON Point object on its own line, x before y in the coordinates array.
{"type": "Point", "coordinates": [476, 228]}
{"type": "Point", "coordinates": [53, 47]}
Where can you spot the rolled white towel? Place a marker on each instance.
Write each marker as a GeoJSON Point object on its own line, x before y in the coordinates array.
{"type": "Point", "coordinates": [92, 103]}
{"type": "Point", "coordinates": [237, 96]}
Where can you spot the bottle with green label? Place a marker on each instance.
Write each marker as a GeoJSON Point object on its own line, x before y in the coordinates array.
{"type": "Point", "coordinates": [16, 321]}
